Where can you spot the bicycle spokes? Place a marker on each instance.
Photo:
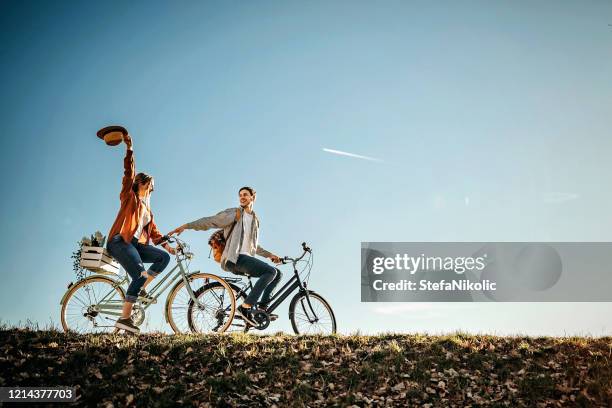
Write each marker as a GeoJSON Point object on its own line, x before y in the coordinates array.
{"type": "Point", "coordinates": [179, 305]}
{"type": "Point", "coordinates": [312, 315]}
{"type": "Point", "coordinates": [212, 312]}
{"type": "Point", "coordinates": [83, 312]}
{"type": "Point", "coordinates": [308, 311]}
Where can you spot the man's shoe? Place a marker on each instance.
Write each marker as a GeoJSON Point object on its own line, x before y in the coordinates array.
{"type": "Point", "coordinates": [127, 325]}
{"type": "Point", "coordinates": [265, 309]}
{"type": "Point", "coordinates": [245, 314]}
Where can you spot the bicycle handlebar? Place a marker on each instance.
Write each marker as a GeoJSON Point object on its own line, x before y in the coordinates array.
{"type": "Point", "coordinates": [181, 246]}
{"type": "Point", "coordinates": [169, 239]}
{"type": "Point", "coordinates": [306, 249]}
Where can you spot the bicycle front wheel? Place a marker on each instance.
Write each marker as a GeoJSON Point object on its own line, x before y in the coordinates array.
{"type": "Point", "coordinates": [92, 306]}
{"type": "Point", "coordinates": [221, 300]}
{"type": "Point", "coordinates": [311, 314]}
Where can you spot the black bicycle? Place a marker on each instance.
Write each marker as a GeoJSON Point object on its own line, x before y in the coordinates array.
{"type": "Point", "coordinates": [309, 312]}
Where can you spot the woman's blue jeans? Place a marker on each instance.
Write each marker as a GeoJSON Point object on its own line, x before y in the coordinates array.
{"type": "Point", "coordinates": [132, 257]}
{"type": "Point", "coordinates": [269, 277]}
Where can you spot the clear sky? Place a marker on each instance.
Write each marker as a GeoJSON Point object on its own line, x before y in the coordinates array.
{"type": "Point", "coordinates": [491, 122]}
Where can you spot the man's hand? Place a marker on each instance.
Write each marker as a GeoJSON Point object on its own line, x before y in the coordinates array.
{"type": "Point", "coordinates": [128, 141]}
{"type": "Point", "coordinates": [169, 248]}
{"type": "Point", "coordinates": [177, 231]}
{"type": "Point", "coordinates": [275, 259]}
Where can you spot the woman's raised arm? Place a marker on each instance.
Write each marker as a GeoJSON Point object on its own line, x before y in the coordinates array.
{"type": "Point", "coordinates": [129, 169]}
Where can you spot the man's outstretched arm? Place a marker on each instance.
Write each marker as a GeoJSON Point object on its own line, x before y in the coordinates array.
{"type": "Point", "coordinates": [219, 220]}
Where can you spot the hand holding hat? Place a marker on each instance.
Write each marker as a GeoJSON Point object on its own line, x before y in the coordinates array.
{"type": "Point", "coordinates": [113, 135]}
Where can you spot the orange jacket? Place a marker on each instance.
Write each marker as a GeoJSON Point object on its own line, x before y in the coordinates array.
{"type": "Point", "coordinates": [126, 222]}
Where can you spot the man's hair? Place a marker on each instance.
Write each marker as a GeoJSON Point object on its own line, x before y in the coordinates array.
{"type": "Point", "coordinates": [141, 178]}
{"type": "Point", "coordinates": [249, 189]}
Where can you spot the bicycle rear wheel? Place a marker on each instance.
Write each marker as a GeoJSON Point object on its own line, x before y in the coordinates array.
{"type": "Point", "coordinates": [178, 303]}
{"type": "Point", "coordinates": [92, 306]}
{"type": "Point", "coordinates": [214, 315]}
{"type": "Point", "coordinates": [312, 314]}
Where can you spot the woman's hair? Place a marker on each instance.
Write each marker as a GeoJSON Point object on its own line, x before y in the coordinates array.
{"type": "Point", "coordinates": [141, 178]}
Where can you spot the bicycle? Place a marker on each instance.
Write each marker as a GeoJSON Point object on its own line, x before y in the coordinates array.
{"type": "Point", "coordinates": [95, 302]}
{"type": "Point", "coordinates": [309, 312]}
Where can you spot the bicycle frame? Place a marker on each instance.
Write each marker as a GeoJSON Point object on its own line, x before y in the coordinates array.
{"type": "Point", "coordinates": [287, 289]}
{"type": "Point", "coordinates": [113, 307]}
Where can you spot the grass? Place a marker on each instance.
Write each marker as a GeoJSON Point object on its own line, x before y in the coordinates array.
{"type": "Point", "coordinates": [239, 369]}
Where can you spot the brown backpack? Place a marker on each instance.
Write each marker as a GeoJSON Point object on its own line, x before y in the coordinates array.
{"type": "Point", "coordinates": [217, 239]}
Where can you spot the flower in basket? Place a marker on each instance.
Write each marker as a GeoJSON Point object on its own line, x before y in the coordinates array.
{"type": "Point", "coordinates": [94, 240]}
{"type": "Point", "coordinates": [99, 238]}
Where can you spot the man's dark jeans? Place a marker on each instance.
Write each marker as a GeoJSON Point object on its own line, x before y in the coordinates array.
{"type": "Point", "coordinates": [269, 277]}
{"type": "Point", "coordinates": [131, 256]}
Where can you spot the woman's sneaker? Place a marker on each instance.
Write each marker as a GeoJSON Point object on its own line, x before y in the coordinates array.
{"type": "Point", "coordinates": [127, 325]}
{"type": "Point", "coordinates": [145, 297]}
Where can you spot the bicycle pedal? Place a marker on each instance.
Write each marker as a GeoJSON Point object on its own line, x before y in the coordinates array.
{"type": "Point", "coordinates": [146, 300]}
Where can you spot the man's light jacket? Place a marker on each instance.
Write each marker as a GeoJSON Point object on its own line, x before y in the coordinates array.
{"type": "Point", "coordinates": [225, 219]}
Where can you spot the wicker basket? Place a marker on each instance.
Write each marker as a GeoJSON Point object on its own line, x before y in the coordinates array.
{"type": "Point", "coordinates": [97, 259]}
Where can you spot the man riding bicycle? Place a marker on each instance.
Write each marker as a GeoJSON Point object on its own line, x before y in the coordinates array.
{"type": "Point", "coordinates": [241, 235]}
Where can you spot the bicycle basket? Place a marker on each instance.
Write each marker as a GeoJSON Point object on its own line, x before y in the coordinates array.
{"type": "Point", "coordinates": [97, 259]}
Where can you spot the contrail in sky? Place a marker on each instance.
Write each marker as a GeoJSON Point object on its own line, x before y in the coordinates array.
{"type": "Point", "coordinates": [560, 197]}
{"type": "Point", "coordinates": [357, 156]}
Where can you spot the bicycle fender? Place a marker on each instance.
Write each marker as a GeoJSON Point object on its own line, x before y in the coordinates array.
{"type": "Point", "coordinates": [63, 299]}
{"type": "Point", "coordinates": [87, 278]}
{"type": "Point", "coordinates": [297, 296]}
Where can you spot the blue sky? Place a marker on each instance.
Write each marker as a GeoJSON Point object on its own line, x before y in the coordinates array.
{"type": "Point", "coordinates": [491, 121]}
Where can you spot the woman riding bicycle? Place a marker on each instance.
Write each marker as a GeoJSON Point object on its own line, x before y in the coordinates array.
{"type": "Point", "coordinates": [129, 236]}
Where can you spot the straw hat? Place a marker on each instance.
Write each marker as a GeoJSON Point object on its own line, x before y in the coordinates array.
{"type": "Point", "coordinates": [112, 135]}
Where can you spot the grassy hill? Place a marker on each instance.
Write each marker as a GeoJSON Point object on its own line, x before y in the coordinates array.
{"type": "Point", "coordinates": [248, 370]}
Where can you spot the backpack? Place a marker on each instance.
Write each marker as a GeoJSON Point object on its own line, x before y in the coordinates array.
{"type": "Point", "coordinates": [217, 239]}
